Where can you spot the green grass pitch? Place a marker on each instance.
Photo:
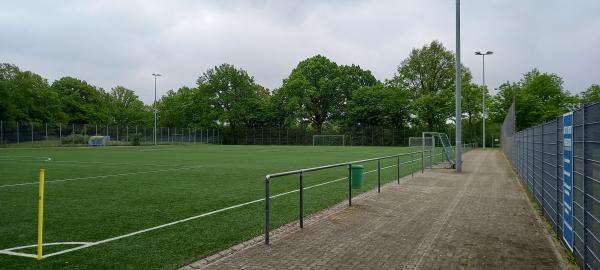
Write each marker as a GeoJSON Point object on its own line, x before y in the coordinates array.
{"type": "Point", "coordinates": [95, 194]}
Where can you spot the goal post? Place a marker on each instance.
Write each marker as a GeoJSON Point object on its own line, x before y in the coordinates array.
{"type": "Point", "coordinates": [98, 140]}
{"type": "Point", "coordinates": [329, 140]}
{"type": "Point", "coordinates": [433, 140]}
{"type": "Point", "coordinates": [421, 141]}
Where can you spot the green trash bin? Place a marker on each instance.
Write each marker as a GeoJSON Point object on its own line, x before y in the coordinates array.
{"type": "Point", "coordinates": [357, 176]}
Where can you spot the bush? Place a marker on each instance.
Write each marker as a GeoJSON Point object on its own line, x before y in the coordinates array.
{"type": "Point", "coordinates": [137, 139]}
{"type": "Point", "coordinates": [75, 139]}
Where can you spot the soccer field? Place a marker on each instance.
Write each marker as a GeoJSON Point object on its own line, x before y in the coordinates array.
{"type": "Point", "coordinates": [154, 207]}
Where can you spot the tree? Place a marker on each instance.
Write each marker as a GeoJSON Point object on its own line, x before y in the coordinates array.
{"type": "Point", "coordinates": [235, 97]}
{"type": "Point", "coordinates": [592, 94]}
{"type": "Point", "coordinates": [540, 97]}
{"type": "Point", "coordinates": [82, 102]}
{"type": "Point", "coordinates": [428, 73]}
{"type": "Point", "coordinates": [472, 100]}
{"type": "Point", "coordinates": [26, 96]}
{"type": "Point", "coordinates": [318, 90]}
{"type": "Point", "coordinates": [378, 105]}
{"type": "Point", "coordinates": [127, 108]}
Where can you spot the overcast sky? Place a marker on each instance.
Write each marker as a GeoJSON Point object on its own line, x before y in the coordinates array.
{"type": "Point", "coordinates": [118, 42]}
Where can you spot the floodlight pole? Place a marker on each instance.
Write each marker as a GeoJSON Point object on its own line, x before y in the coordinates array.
{"type": "Point", "coordinates": [483, 94]}
{"type": "Point", "coordinates": [458, 116]}
{"type": "Point", "coordinates": [154, 105]}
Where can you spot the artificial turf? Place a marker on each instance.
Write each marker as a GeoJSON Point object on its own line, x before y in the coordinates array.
{"type": "Point", "coordinates": [113, 191]}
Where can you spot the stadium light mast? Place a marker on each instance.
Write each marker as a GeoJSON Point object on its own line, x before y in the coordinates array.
{"type": "Point", "coordinates": [484, 88]}
{"type": "Point", "coordinates": [154, 105]}
{"type": "Point", "coordinates": [458, 116]}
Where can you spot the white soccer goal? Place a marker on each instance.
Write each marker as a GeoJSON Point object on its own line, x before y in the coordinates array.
{"type": "Point", "coordinates": [321, 140]}
{"type": "Point", "coordinates": [418, 141]}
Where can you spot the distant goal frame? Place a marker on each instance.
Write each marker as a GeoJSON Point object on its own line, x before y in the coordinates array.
{"type": "Point", "coordinates": [329, 135]}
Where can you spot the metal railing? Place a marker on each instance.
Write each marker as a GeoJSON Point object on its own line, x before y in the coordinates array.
{"type": "Point", "coordinates": [301, 173]}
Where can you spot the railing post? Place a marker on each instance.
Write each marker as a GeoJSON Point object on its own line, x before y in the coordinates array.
{"type": "Point", "coordinates": [349, 184]}
{"type": "Point", "coordinates": [379, 176]}
{"type": "Point", "coordinates": [422, 161]}
{"type": "Point", "coordinates": [301, 199]}
{"type": "Point", "coordinates": [412, 171]}
{"type": "Point", "coordinates": [398, 169]}
{"type": "Point", "coordinates": [267, 209]}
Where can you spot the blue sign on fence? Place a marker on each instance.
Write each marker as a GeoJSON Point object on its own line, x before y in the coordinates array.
{"type": "Point", "coordinates": [568, 179]}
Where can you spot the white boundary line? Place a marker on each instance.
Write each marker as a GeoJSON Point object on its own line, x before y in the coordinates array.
{"type": "Point", "coordinates": [98, 176]}
{"type": "Point", "coordinates": [90, 244]}
{"type": "Point", "coordinates": [45, 159]}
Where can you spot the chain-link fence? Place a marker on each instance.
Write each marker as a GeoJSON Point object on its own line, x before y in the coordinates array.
{"type": "Point", "coordinates": [539, 155]}
{"type": "Point", "coordinates": [51, 134]}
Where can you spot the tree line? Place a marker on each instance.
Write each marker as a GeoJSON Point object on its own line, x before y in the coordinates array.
{"type": "Point", "coordinates": [318, 93]}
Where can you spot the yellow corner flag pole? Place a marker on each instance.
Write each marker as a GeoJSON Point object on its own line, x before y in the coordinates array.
{"type": "Point", "coordinates": [40, 215]}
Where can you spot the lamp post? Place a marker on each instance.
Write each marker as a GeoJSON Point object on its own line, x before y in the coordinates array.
{"type": "Point", "coordinates": [458, 143]}
{"type": "Point", "coordinates": [484, 88]}
{"type": "Point", "coordinates": [154, 105]}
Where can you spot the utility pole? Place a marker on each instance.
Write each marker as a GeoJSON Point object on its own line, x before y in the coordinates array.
{"type": "Point", "coordinates": [458, 142]}
{"type": "Point", "coordinates": [484, 88]}
{"type": "Point", "coordinates": [154, 105]}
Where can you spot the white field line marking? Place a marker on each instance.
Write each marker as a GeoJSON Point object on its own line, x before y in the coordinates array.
{"type": "Point", "coordinates": [89, 244]}
{"type": "Point", "coordinates": [84, 162]}
{"type": "Point", "coordinates": [99, 176]}
{"type": "Point", "coordinates": [11, 251]}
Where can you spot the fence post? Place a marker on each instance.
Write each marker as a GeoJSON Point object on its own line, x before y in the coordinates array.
{"type": "Point", "coordinates": [31, 125]}
{"type": "Point", "coordinates": [398, 168]}
{"type": "Point", "coordinates": [301, 199]}
{"type": "Point", "coordinates": [73, 133]}
{"type": "Point", "coordinates": [379, 176]}
{"type": "Point", "coordinates": [46, 131]}
{"type": "Point", "coordinates": [60, 132]}
{"type": "Point", "coordinates": [585, 187]}
{"type": "Point", "coordinates": [18, 138]}
{"type": "Point", "coordinates": [1, 132]}
{"type": "Point", "coordinates": [96, 129]}
{"type": "Point", "coordinates": [107, 130]}
{"type": "Point", "coordinates": [127, 133]}
{"type": "Point", "coordinates": [117, 132]}
{"type": "Point", "coordinates": [558, 184]}
{"type": "Point", "coordinates": [412, 171]}
{"type": "Point", "coordinates": [422, 161]}
{"type": "Point", "coordinates": [349, 184]}
{"type": "Point", "coordinates": [267, 209]}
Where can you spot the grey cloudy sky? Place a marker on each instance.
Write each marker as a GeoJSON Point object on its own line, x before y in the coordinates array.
{"type": "Point", "coordinates": [117, 42]}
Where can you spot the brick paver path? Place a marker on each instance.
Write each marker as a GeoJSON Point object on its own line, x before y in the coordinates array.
{"type": "Point", "coordinates": [438, 220]}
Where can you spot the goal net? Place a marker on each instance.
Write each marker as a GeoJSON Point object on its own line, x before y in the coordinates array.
{"type": "Point", "coordinates": [421, 141]}
{"type": "Point", "coordinates": [323, 140]}
{"type": "Point", "coordinates": [98, 140]}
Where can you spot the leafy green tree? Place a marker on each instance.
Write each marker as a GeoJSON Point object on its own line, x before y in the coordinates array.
{"type": "Point", "coordinates": [318, 91]}
{"type": "Point", "coordinates": [379, 105]}
{"type": "Point", "coordinates": [428, 73]}
{"type": "Point", "coordinates": [127, 108]}
{"type": "Point", "coordinates": [592, 94]}
{"type": "Point", "coordinates": [26, 96]}
{"type": "Point", "coordinates": [540, 97]}
{"type": "Point", "coordinates": [234, 96]}
{"type": "Point", "coordinates": [82, 102]}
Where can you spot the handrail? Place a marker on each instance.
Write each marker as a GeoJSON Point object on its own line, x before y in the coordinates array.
{"type": "Point", "coordinates": [301, 172]}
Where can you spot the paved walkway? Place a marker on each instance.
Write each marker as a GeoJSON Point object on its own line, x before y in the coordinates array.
{"type": "Point", "coordinates": [438, 220]}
